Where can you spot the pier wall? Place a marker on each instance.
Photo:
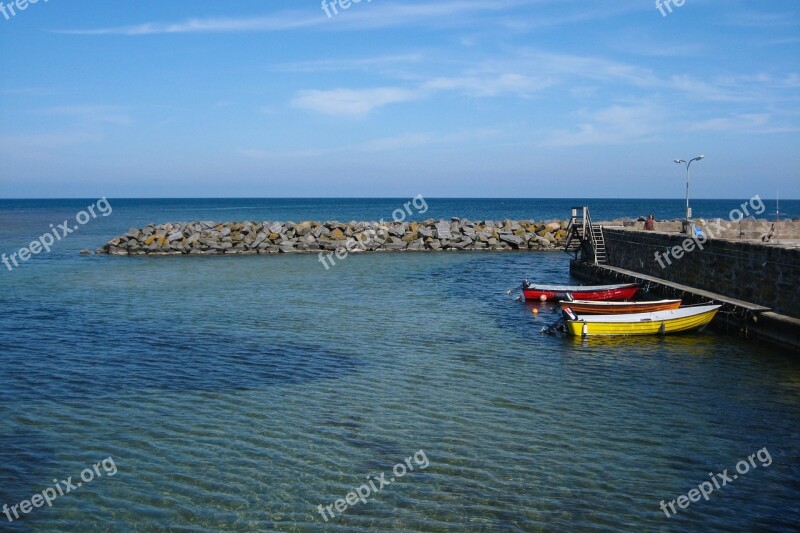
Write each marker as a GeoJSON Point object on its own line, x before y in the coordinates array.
{"type": "Point", "coordinates": [767, 275]}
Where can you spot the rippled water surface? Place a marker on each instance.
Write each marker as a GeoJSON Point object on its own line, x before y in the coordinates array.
{"type": "Point", "coordinates": [240, 393]}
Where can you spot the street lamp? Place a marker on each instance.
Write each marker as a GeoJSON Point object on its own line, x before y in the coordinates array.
{"type": "Point", "coordinates": [688, 209]}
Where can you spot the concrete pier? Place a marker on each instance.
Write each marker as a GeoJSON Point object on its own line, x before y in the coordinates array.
{"type": "Point", "coordinates": [758, 285]}
{"type": "Point", "coordinates": [746, 319]}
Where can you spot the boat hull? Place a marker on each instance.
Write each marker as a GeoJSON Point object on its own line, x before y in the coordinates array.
{"type": "Point", "coordinates": [586, 307]}
{"type": "Point", "coordinates": [660, 323]}
{"type": "Point", "coordinates": [622, 292]}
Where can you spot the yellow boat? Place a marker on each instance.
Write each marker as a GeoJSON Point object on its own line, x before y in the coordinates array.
{"type": "Point", "coordinates": [655, 323]}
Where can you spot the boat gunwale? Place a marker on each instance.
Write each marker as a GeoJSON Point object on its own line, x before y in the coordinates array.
{"type": "Point", "coordinates": [612, 303]}
{"type": "Point", "coordinates": [653, 316]}
{"type": "Point", "coordinates": [578, 288]}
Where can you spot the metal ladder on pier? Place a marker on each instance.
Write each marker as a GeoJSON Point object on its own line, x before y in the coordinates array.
{"type": "Point", "coordinates": [599, 243]}
{"type": "Point", "coordinates": [582, 233]}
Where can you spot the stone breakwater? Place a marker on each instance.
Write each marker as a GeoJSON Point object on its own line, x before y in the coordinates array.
{"type": "Point", "coordinates": [248, 238]}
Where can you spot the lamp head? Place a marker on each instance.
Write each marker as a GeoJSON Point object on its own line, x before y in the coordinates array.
{"type": "Point", "coordinates": [680, 161]}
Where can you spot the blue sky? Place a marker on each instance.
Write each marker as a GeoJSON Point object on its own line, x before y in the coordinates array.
{"type": "Point", "coordinates": [533, 98]}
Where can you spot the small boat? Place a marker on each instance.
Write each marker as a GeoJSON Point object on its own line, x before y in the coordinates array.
{"type": "Point", "coordinates": [657, 323]}
{"type": "Point", "coordinates": [579, 292]}
{"type": "Point", "coordinates": [588, 307]}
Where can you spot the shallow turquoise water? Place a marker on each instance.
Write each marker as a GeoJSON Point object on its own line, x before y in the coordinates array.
{"type": "Point", "coordinates": [239, 393]}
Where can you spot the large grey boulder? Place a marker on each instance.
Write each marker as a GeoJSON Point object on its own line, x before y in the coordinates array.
{"type": "Point", "coordinates": [395, 243]}
{"type": "Point", "coordinates": [417, 245]}
{"type": "Point", "coordinates": [443, 230]}
{"type": "Point", "coordinates": [510, 238]}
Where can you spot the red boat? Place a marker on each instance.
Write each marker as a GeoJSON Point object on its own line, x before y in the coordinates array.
{"type": "Point", "coordinates": [579, 292]}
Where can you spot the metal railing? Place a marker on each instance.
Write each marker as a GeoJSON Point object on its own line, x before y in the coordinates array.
{"type": "Point", "coordinates": [584, 222]}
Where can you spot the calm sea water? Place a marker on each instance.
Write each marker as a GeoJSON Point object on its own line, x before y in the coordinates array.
{"type": "Point", "coordinates": [239, 393]}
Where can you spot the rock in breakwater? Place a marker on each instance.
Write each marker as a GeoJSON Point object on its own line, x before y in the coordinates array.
{"type": "Point", "coordinates": [248, 238]}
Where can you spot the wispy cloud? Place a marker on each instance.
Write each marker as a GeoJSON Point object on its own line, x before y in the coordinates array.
{"type": "Point", "coordinates": [581, 12]}
{"type": "Point", "coordinates": [77, 125]}
{"type": "Point", "coordinates": [703, 89]}
{"type": "Point", "coordinates": [612, 125]}
{"type": "Point", "coordinates": [760, 19]}
{"type": "Point", "coordinates": [786, 40]}
{"type": "Point", "coordinates": [792, 81]}
{"type": "Point", "coordinates": [28, 91]}
{"type": "Point", "coordinates": [426, 139]}
{"type": "Point", "coordinates": [352, 102]}
{"type": "Point", "coordinates": [95, 114]}
{"type": "Point", "coordinates": [207, 25]}
{"type": "Point", "coordinates": [385, 144]}
{"type": "Point", "coordinates": [745, 123]}
{"type": "Point", "coordinates": [492, 85]}
{"type": "Point", "coordinates": [736, 123]}
{"type": "Point", "coordinates": [640, 42]}
{"type": "Point", "coordinates": [360, 102]}
{"type": "Point", "coordinates": [525, 73]}
{"type": "Point", "coordinates": [42, 144]}
{"type": "Point", "coordinates": [377, 16]}
{"type": "Point", "coordinates": [571, 70]}
{"type": "Point", "coordinates": [338, 65]}
{"type": "Point", "coordinates": [572, 66]}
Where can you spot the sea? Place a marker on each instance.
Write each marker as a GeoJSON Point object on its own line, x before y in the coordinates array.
{"type": "Point", "coordinates": [389, 392]}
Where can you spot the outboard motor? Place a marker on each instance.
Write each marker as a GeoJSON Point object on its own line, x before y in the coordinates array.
{"type": "Point", "coordinates": [569, 314]}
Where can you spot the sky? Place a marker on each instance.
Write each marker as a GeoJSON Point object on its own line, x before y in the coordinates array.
{"type": "Point", "coordinates": [453, 98]}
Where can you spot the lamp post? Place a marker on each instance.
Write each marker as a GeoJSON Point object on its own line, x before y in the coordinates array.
{"type": "Point", "coordinates": [688, 209]}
